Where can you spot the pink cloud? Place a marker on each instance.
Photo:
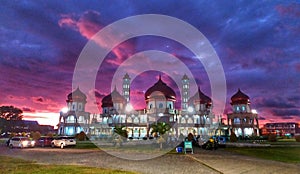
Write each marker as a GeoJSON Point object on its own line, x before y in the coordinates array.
{"type": "Point", "coordinates": [88, 24]}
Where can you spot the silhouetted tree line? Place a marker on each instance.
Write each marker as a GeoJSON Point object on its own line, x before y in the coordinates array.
{"type": "Point", "coordinates": [11, 113]}
{"type": "Point", "coordinates": [8, 115]}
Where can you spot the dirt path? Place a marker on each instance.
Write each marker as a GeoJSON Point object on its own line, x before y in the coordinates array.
{"type": "Point", "coordinates": [202, 161]}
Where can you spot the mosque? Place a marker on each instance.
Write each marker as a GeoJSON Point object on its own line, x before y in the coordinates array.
{"type": "Point", "coordinates": [195, 115]}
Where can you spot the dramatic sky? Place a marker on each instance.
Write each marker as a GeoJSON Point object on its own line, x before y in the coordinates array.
{"type": "Point", "coordinates": [256, 41]}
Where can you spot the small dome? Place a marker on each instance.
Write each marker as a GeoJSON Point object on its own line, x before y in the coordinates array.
{"type": "Point", "coordinates": [113, 97]}
{"type": "Point", "coordinates": [76, 96]}
{"type": "Point", "coordinates": [163, 88]}
{"type": "Point", "coordinates": [126, 76]}
{"type": "Point", "coordinates": [185, 77]}
{"type": "Point", "coordinates": [201, 98]}
{"type": "Point", "coordinates": [240, 98]}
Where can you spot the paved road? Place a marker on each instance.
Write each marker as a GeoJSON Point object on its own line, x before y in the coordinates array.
{"type": "Point", "coordinates": [202, 161]}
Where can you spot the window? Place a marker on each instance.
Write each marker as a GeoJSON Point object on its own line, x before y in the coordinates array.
{"type": "Point", "coordinates": [150, 106]}
{"type": "Point", "coordinates": [71, 119]}
{"type": "Point", "coordinates": [136, 120]}
{"type": "Point", "coordinates": [243, 108]}
{"type": "Point", "coordinates": [236, 121]}
{"type": "Point", "coordinates": [160, 105]}
{"type": "Point", "coordinates": [81, 119]}
{"type": "Point", "coordinates": [170, 106]}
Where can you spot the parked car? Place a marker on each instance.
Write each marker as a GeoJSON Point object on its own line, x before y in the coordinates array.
{"type": "Point", "coordinates": [63, 142]}
{"type": "Point", "coordinates": [44, 141]}
{"type": "Point", "coordinates": [21, 142]}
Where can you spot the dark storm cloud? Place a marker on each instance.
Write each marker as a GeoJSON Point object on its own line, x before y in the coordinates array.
{"type": "Point", "coordinates": [27, 109]}
{"type": "Point", "coordinates": [40, 99]}
{"type": "Point", "coordinates": [286, 112]}
{"type": "Point", "coordinates": [261, 118]}
{"type": "Point", "coordinates": [275, 102]}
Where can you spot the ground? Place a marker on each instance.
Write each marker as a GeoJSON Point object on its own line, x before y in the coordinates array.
{"type": "Point", "coordinates": [201, 161]}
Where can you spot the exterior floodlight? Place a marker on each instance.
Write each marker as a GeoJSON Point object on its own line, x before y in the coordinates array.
{"type": "Point", "coordinates": [190, 109]}
{"type": "Point", "coordinates": [64, 110]}
{"type": "Point", "coordinates": [254, 111]}
{"type": "Point", "coordinates": [129, 108]}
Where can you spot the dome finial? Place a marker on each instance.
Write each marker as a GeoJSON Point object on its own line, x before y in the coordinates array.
{"type": "Point", "coordinates": [159, 76]}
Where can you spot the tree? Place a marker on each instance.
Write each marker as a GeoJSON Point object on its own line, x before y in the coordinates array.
{"type": "Point", "coordinates": [160, 128]}
{"type": "Point", "coordinates": [81, 136]}
{"type": "Point", "coordinates": [119, 134]}
{"type": "Point", "coordinates": [272, 137]}
{"type": "Point", "coordinates": [10, 113]}
{"type": "Point", "coordinates": [35, 135]}
{"type": "Point", "coordinates": [233, 137]}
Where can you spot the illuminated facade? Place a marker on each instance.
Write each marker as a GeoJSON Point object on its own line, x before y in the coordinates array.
{"type": "Point", "coordinates": [242, 121]}
{"type": "Point", "coordinates": [160, 107]}
{"type": "Point", "coordinates": [75, 119]}
{"type": "Point", "coordinates": [195, 117]}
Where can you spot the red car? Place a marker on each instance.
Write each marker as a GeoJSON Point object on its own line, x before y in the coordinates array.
{"type": "Point", "coordinates": [44, 141]}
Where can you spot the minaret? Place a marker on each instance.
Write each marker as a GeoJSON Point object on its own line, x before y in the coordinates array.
{"type": "Point", "coordinates": [126, 87]}
{"type": "Point", "coordinates": [185, 92]}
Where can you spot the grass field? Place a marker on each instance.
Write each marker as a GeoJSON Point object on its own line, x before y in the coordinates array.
{"type": "Point", "coordinates": [18, 166]}
{"type": "Point", "coordinates": [85, 145]}
{"type": "Point", "coordinates": [283, 154]}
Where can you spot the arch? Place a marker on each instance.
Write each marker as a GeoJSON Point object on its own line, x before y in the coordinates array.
{"type": "Point", "coordinates": [71, 119]}
{"type": "Point", "coordinates": [160, 105]}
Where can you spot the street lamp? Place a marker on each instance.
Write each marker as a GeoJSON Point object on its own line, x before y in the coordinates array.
{"type": "Point", "coordinates": [190, 109]}
{"type": "Point", "coordinates": [129, 107]}
{"type": "Point", "coordinates": [254, 111]}
{"type": "Point", "coordinates": [64, 110]}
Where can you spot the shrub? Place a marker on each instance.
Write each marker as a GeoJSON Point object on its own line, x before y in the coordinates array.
{"type": "Point", "coordinates": [190, 137]}
{"type": "Point", "coordinates": [233, 137]}
{"type": "Point", "coordinates": [12, 135]}
{"type": "Point", "coordinates": [35, 135]}
{"type": "Point", "coordinates": [272, 138]}
{"type": "Point", "coordinates": [297, 137]}
{"type": "Point", "coordinates": [81, 136]}
{"type": "Point", "coordinates": [49, 134]}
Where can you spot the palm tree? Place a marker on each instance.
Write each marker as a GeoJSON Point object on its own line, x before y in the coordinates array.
{"type": "Point", "coordinates": [160, 128]}
{"type": "Point", "coordinates": [119, 134]}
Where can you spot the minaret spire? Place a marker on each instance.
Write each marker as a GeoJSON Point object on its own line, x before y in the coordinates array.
{"type": "Point", "coordinates": [126, 87]}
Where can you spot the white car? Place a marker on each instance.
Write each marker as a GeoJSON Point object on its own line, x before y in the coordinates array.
{"type": "Point", "coordinates": [21, 142]}
{"type": "Point", "coordinates": [63, 142]}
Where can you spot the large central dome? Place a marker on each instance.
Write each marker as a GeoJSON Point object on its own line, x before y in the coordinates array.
{"type": "Point", "coordinates": [76, 96]}
{"type": "Point", "coordinates": [162, 87]}
{"type": "Point", "coordinates": [113, 97]}
{"type": "Point", "coordinates": [201, 98]}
